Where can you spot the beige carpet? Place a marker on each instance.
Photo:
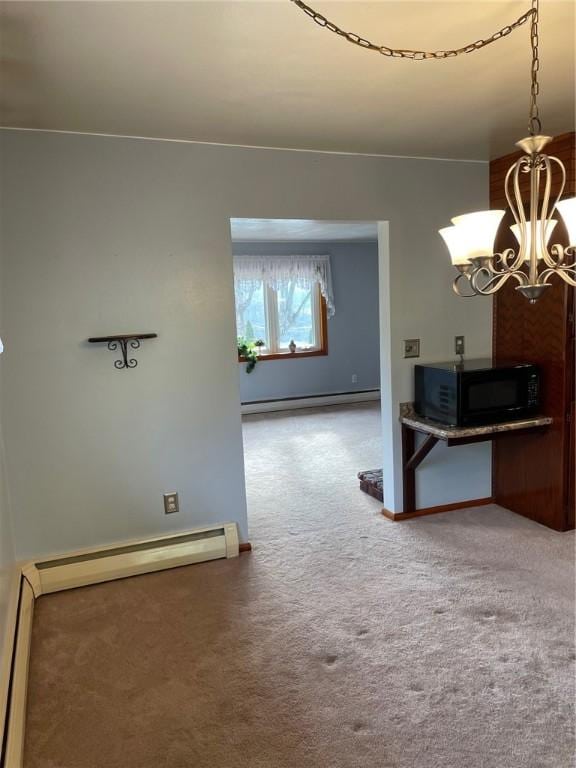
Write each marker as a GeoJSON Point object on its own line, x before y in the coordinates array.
{"type": "Point", "coordinates": [343, 641]}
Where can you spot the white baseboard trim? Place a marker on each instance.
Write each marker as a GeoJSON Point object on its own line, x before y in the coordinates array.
{"type": "Point", "coordinates": [76, 569]}
{"type": "Point", "coordinates": [314, 401]}
{"type": "Point", "coordinates": [14, 757]}
{"type": "Point", "coordinates": [10, 632]}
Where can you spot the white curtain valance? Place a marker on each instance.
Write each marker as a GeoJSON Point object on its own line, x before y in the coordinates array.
{"type": "Point", "coordinates": [306, 271]}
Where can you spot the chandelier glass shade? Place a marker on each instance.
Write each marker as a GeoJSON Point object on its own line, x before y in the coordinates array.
{"type": "Point", "coordinates": [517, 232]}
{"type": "Point", "coordinates": [567, 209]}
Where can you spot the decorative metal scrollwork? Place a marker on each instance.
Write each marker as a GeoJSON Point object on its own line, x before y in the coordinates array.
{"type": "Point", "coordinates": [125, 362]}
{"type": "Point", "coordinates": [123, 342]}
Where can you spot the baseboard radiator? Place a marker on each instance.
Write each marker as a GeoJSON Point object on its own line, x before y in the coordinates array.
{"type": "Point", "coordinates": [309, 401]}
{"type": "Point", "coordinates": [132, 559]}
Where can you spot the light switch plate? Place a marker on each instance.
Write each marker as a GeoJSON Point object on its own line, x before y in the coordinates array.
{"type": "Point", "coordinates": [171, 504]}
{"type": "Point", "coordinates": [411, 347]}
{"type": "Point", "coordinates": [459, 345]}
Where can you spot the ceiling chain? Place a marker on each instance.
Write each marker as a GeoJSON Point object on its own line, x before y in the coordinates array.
{"type": "Point", "coordinates": [406, 53]}
{"type": "Point", "coordinates": [534, 123]}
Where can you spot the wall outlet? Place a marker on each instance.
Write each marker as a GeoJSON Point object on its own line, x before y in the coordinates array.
{"type": "Point", "coordinates": [411, 347]}
{"type": "Point", "coordinates": [354, 379]}
{"type": "Point", "coordinates": [171, 503]}
{"type": "Point", "coordinates": [459, 345]}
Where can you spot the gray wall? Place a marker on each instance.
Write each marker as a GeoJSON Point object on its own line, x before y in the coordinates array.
{"type": "Point", "coordinates": [107, 234]}
{"type": "Point", "coordinates": [353, 331]}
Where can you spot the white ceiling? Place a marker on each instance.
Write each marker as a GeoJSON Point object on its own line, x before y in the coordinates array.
{"type": "Point", "coordinates": [302, 230]}
{"type": "Point", "coordinates": [263, 74]}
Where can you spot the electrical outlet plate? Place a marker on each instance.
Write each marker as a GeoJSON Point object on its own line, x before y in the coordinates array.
{"type": "Point", "coordinates": [411, 347]}
{"type": "Point", "coordinates": [171, 504]}
{"type": "Point", "coordinates": [459, 345]}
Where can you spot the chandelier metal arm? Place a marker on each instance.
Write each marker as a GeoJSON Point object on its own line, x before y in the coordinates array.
{"type": "Point", "coordinates": [495, 281]}
{"type": "Point", "coordinates": [516, 206]}
{"type": "Point", "coordinates": [407, 53]}
{"type": "Point", "coordinates": [471, 276]}
{"type": "Point", "coordinates": [464, 278]}
{"type": "Point", "coordinates": [489, 267]}
{"type": "Point", "coordinates": [561, 253]}
{"type": "Point", "coordinates": [568, 274]}
{"type": "Point", "coordinates": [507, 259]}
{"type": "Point", "coordinates": [546, 218]}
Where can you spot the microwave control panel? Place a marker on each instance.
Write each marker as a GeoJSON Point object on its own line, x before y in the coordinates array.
{"type": "Point", "coordinates": [533, 391]}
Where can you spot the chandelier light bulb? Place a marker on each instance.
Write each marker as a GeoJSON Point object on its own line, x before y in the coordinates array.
{"type": "Point", "coordinates": [526, 230]}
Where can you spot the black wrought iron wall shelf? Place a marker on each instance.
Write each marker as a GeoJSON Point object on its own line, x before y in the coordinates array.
{"type": "Point", "coordinates": [123, 341]}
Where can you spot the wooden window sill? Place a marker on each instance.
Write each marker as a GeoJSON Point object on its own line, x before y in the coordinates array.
{"type": "Point", "coordinates": [288, 355]}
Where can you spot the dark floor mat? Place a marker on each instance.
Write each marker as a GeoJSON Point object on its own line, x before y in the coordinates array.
{"type": "Point", "coordinates": [371, 483]}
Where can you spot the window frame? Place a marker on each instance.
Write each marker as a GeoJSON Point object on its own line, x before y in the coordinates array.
{"type": "Point", "coordinates": [320, 315]}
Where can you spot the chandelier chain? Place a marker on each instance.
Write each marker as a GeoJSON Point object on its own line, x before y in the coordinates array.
{"type": "Point", "coordinates": [406, 53]}
{"type": "Point", "coordinates": [534, 123]}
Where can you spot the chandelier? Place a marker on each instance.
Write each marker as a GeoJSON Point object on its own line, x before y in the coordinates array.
{"type": "Point", "coordinates": [470, 239]}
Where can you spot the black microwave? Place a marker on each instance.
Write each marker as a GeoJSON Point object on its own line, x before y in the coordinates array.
{"type": "Point", "coordinates": [475, 392]}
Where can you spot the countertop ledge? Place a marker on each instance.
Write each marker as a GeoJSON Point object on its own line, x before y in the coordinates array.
{"type": "Point", "coordinates": [409, 417]}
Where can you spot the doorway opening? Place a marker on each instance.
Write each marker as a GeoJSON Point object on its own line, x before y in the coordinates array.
{"type": "Point", "coordinates": [308, 322]}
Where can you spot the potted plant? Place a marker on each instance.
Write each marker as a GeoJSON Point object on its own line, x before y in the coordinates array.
{"type": "Point", "coordinates": [249, 352]}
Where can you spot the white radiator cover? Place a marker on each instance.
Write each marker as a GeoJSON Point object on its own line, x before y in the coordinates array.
{"type": "Point", "coordinates": [132, 558]}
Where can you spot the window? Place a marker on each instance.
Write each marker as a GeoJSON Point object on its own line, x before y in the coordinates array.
{"type": "Point", "coordinates": [251, 311]}
{"type": "Point", "coordinates": [280, 301]}
{"type": "Point", "coordinates": [278, 317]}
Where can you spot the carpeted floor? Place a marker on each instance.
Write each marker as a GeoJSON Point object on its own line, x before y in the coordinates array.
{"type": "Point", "coordinates": [343, 641]}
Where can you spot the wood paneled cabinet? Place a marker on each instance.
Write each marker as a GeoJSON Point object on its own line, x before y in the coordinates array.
{"type": "Point", "coordinates": [533, 475]}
